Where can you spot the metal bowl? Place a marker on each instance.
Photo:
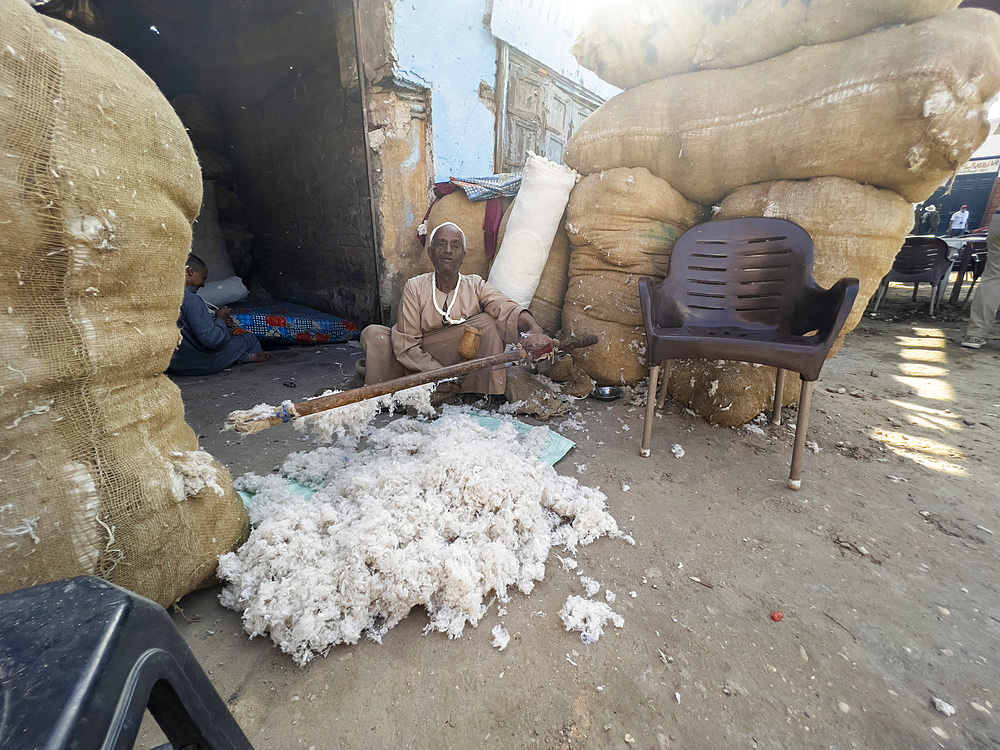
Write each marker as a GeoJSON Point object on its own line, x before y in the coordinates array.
{"type": "Point", "coordinates": [606, 392]}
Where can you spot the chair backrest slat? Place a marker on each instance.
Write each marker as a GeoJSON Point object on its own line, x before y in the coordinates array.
{"type": "Point", "coordinates": [738, 272]}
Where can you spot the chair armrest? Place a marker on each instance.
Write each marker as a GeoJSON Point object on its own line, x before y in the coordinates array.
{"type": "Point", "coordinates": [826, 310]}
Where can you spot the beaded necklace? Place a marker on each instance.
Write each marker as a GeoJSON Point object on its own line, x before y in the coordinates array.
{"type": "Point", "coordinates": [446, 313]}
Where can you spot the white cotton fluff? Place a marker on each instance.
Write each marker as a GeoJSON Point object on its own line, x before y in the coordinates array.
{"type": "Point", "coordinates": [591, 586]}
{"type": "Point", "coordinates": [500, 637]}
{"type": "Point", "coordinates": [567, 563]}
{"type": "Point", "coordinates": [439, 514]}
{"type": "Point", "coordinates": [349, 423]}
{"type": "Point", "coordinates": [191, 472]}
{"type": "Point", "coordinates": [588, 617]}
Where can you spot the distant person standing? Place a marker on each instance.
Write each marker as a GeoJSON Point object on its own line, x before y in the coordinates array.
{"type": "Point", "coordinates": [984, 305]}
{"type": "Point", "coordinates": [959, 222]}
{"type": "Point", "coordinates": [931, 220]}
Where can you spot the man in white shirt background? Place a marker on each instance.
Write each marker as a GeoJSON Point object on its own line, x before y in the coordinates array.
{"type": "Point", "coordinates": [959, 222]}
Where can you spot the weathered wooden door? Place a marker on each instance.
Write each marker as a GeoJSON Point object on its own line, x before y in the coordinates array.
{"type": "Point", "coordinates": [540, 111]}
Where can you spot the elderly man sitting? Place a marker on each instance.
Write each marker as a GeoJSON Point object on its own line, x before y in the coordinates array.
{"type": "Point", "coordinates": [433, 312]}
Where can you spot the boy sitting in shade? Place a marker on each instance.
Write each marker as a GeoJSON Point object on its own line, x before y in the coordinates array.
{"type": "Point", "coordinates": [207, 345]}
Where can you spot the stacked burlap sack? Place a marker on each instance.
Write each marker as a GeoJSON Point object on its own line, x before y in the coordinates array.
{"type": "Point", "coordinates": [622, 225]}
{"type": "Point", "coordinates": [99, 474]}
{"type": "Point", "coordinates": [838, 136]}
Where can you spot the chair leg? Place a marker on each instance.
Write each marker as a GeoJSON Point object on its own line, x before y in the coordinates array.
{"type": "Point", "coordinates": [880, 294]}
{"type": "Point", "coordinates": [779, 395]}
{"type": "Point", "coordinates": [934, 293]}
{"type": "Point", "coordinates": [969, 293]}
{"type": "Point", "coordinates": [662, 398]}
{"type": "Point", "coordinates": [915, 285]}
{"type": "Point", "coordinates": [647, 424]}
{"type": "Point", "coordinates": [801, 425]}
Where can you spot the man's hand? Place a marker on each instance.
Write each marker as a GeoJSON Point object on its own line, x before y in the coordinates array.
{"type": "Point", "coordinates": [223, 314]}
{"type": "Point", "coordinates": [538, 343]}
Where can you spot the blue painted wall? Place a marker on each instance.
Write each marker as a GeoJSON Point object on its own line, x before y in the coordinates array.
{"type": "Point", "coordinates": [443, 45]}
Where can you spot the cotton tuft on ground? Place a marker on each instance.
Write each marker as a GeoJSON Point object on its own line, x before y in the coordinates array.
{"type": "Point", "coordinates": [441, 514]}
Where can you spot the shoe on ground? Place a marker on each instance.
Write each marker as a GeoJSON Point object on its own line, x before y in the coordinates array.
{"type": "Point", "coordinates": [973, 342]}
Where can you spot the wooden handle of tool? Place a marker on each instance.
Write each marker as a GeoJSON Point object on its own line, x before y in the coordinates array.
{"type": "Point", "coordinates": [374, 390]}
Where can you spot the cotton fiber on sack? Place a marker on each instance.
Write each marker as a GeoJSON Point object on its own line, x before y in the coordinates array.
{"type": "Point", "coordinates": [439, 514]}
{"type": "Point", "coordinates": [534, 219]}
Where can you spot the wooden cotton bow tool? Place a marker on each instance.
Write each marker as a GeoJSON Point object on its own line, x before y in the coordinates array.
{"type": "Point", "coordinates": [256, 420]}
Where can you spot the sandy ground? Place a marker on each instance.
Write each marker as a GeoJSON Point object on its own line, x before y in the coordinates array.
{"type": "Point", "coordinates": [883, 565]}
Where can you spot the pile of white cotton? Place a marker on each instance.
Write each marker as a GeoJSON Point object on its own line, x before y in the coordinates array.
{"type": "Point", "coordinates": [440, 514]}
{"type": "Point", "coordinates": [348, 423]}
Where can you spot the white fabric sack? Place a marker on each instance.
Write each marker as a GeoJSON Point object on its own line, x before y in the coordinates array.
{"type": "Point", "coordinates": [224, 291]}
{"type": "Point", "coordinates": [207, 241]}
{"type": "Point", "coordinates": [534, 219]}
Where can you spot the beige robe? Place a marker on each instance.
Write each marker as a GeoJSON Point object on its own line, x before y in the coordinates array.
{"type": "Point", "coordinates": [422, 341]}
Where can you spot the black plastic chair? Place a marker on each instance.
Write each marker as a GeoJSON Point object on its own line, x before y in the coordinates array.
{"type": "Point", "coordinates": [921, 259]}
{"type": "Point", "coordinates": [742, 289]}
{"type": "Point", "coordinates": [81, 660]}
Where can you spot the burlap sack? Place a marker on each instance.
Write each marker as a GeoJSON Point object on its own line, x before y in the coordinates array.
{"type": "Point", "coordinates": [727, 393]}
{"type": "Point", "coordinates": [546, 306]}
{"type": "Point", "coordinates": [98, 188]}
{"type": "Point", "coordinates": [901, 109]}
{"type": "Point", "coordinates": [469, 215]}
{"type": "Point", "coordinates": [605, 295]}
{"type": "Point", "coordinates": [635, 41]}
{"type": "Point", "coordinates": [627, 220]}
{"type": "Point", "coordinates": [619, 356]}
{"type": "Point", "coordinates": [622, 226]}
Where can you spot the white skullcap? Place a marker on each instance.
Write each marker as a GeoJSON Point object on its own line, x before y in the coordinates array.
{"type": "Point", "coordinates": [430, 240]}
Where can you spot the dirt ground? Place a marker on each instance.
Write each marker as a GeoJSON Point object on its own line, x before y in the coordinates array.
{"type": "Point", "coordinates": [883, 565]}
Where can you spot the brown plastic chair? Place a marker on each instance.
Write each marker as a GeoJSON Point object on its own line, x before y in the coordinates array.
{"type": "Point", "coordinates": [921, 259]}
{"type": "Point", "coordinates": [742, 289]}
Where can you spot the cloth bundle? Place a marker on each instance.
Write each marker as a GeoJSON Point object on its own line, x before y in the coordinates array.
{"type": "Point", "coordinates": [534, 219]}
